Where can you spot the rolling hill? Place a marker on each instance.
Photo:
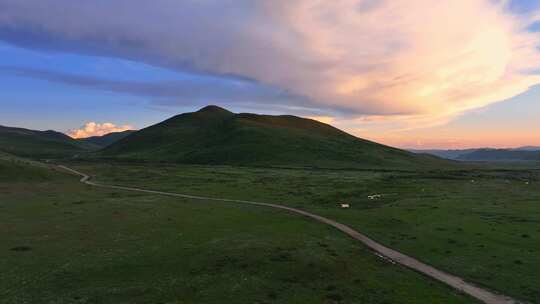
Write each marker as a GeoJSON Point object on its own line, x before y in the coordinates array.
{"type": "Point", "coordinates": [105, 140]}
{"type": "Point", "coordinates": [214, 135]}
{"type": "Point", "coordinates": [40, 144]}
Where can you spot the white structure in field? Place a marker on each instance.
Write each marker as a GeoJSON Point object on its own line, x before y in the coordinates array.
{"type": "Point", "coordinates": [345, 205]}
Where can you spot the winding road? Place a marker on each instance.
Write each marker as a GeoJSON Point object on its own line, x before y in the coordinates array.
{"type": "Point", "coordinates": [392, 255]}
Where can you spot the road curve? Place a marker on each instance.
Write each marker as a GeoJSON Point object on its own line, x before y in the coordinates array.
{"type": "Point", "coordinates": [394, 256]}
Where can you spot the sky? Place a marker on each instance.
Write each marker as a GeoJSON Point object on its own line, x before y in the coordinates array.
{"type": "Point", "coordinates": [408, 73]}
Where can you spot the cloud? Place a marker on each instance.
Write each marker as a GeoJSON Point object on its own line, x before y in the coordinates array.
{"type": "Point", "coordinates": [403, 63]}
{"type": "Point", "coordinates": [197, 90]}
{"type": "Point", "coordinates": [97, 129]}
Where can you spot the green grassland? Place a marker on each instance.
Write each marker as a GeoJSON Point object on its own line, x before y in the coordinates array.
{"type": "Point", "coordinates": [481, 224]}
{"type": "Point", "coordinates": [65, 242]}
{"type": "Point", "coordinates": [16, 169]}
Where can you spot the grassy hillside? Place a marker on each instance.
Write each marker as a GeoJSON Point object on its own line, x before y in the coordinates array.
{"type": "Point", "coordinates": [16, 169]}
{"type": "Point", "coordinates": [40, 144]}
{"type": "Point", "coordinates": [107, 139]}
{"type": "Point", "coordinates": [216, 136]}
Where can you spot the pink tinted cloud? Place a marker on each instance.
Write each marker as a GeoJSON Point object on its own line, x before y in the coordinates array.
{"type": "Point", "coordinates": [97, 129]}
{"type": "Point", "coordinates": [428, 61]}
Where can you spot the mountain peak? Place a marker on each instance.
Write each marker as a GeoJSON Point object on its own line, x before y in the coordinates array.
{"type": "Point", "coordinates": [214, 109]}
{"type": "Point", "coordinates": [216, 136]}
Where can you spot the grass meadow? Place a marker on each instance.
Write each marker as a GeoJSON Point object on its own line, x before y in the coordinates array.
{"type": "Point", "coordinates": [481, 223]}
{"type": "Point", "coordinates": [65, 242]}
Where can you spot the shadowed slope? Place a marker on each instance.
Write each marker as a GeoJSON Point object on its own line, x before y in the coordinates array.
{"type": "Point", "coordinates": [107, 139]}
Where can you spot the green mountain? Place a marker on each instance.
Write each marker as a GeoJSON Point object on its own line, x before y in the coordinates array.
{"type": "Point", "coordinates": [40, 144]}
{"type": "Point", "coordinates": [107, 139]}
{"type": "Point", "coordinates": [214, 135]}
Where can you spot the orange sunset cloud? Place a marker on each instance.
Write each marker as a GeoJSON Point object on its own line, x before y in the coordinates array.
{"type": "Point", "coordinates": [97, 129]}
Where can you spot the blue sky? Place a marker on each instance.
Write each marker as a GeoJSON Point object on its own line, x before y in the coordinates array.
{"type": "Point", "coordinates": [35, 101]}
{"type": "Point", "coordinates": [157, 61]}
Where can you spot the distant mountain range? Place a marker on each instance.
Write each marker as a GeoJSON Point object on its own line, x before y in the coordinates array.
{"type": "Point", "coordinates": [214, 135]}
{"type": "Point", "coordinates": [528, 153]}
{"type": "Point", "coordinates": [501, 155]}
{"type": "Point", "coordinates": [527, 148]}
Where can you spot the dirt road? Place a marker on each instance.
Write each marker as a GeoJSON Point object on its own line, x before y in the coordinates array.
{"type": "Point", "coordinates": [394, 256]}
